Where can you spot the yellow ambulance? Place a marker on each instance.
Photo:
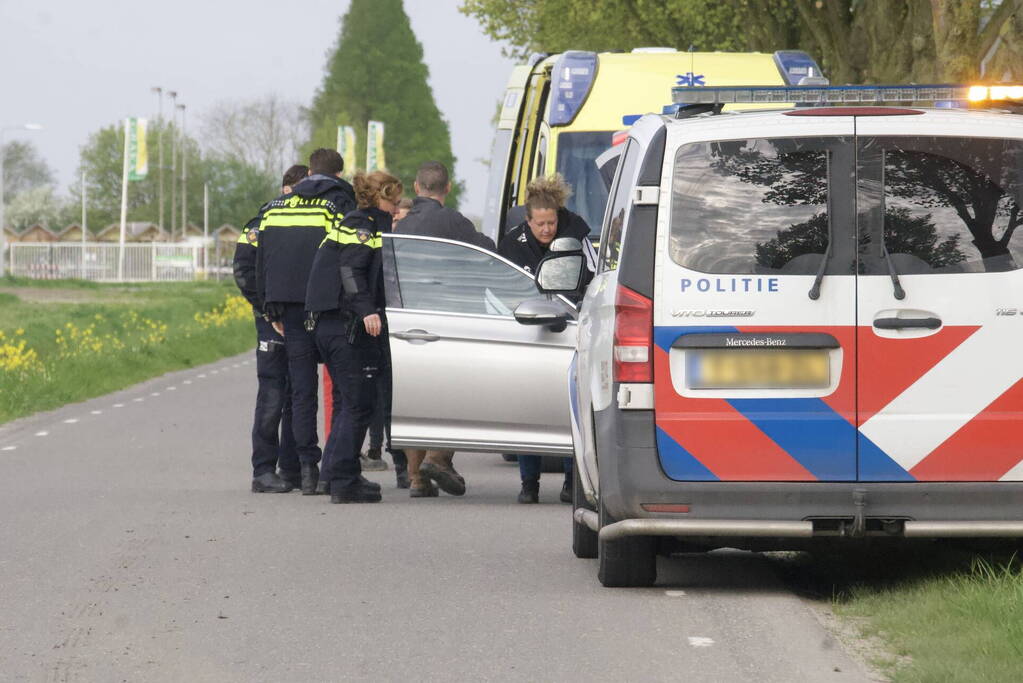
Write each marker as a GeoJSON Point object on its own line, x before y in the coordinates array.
{"type": "Point", "coordinates": [560, 112]}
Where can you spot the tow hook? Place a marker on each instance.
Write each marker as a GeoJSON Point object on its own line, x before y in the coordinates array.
{"type": "Point", "coordinates": [859, 525]}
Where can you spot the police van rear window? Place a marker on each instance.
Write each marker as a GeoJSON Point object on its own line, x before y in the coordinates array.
{"type": "Point", "coordinates": [945, 204]}
{"type": "Point", "coordinates": [752, 206]}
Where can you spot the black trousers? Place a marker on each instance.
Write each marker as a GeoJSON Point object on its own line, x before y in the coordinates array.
{"type": "Point", "coordinates": [273, 445]}
{"type": "Point", "coordinates": [355, 370]}
{"type": "Point", "coordinates": [302, 368]}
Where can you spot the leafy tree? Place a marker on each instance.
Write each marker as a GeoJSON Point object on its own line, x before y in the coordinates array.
{"type": "Point", "coordinates": [376, 72]}
{"type": "Point", "coordinates": [856, 41]}
{"type": "Point", "coordinates": [39, 204]}
{"type": "Point", "coordinates": [263, 132]}
{"type": "Point", "coordinates": [24, 168]}
{"type": "Point", "coordinates": [237, 190]}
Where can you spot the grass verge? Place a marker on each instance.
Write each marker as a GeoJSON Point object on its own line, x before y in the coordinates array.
{"type": "Point", "coordinates": [932, 611]}
{"type": "Point", "coordinates": [90, 339]}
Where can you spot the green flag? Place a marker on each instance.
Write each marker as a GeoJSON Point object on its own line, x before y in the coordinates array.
{"type": "Point", "coordinates": [138, 155]}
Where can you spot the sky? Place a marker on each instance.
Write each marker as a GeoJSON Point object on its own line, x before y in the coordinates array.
{"type": "Point", "coordinates": [74, 66]}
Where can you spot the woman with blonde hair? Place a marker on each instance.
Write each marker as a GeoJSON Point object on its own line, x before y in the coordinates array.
{"type": "Point", "coordinates": [345, 300]}
{"type": "Point", "coordinates": [525, 245]}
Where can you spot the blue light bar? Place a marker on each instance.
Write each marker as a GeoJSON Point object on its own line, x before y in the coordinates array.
{"type": "Point", "coordinates": [571, 80]}
{"type": "Point", "coordinates": [796, 65]}
{"type": "Point", "coordinates": [839, 94]}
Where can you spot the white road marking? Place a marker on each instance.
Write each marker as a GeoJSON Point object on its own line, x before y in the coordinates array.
{"type": "Point", "coordinates": [97, 412]}
{"type": "Point", "coordinates": [118, 405]}
{"type": "Point", "coordinates": [171, 389]}
{"type": "Point", "coordinates": [42, 433]}
{"type": "Point", "coordinates": [8, 448]}
{"type": "Point", "coordinates": [71, 420]}
{"type": "Point", "coordinates": [202, 376]}
{"type": "Point", "coordinates": [675, 594]}
{"type": "Point", "coordinates": [700, 641]}
{"type": "Point", "coordinates": [155, 393]}
{"type": "Point", "coordinates": [187, 381]}
{"type": "Point", "coordinates": [139, 400]}
{"type": "Point", "coordinates": [213, 372]}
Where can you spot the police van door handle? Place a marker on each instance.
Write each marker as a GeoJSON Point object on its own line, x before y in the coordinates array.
{"type": "Point", "coordinates": [416, 336]}
{"type": "Point", "coordinates": [904, 323]}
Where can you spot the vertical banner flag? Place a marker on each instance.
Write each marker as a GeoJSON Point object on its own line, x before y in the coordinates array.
{"type": "Point", "coordinates": [138, 155]}
{"type": "Point", "coordinates": [346, 148]}
{"type": "Point", "coordinates": [375, 147]}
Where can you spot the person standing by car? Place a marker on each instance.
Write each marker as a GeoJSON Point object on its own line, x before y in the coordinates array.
{"type": "Point", "coordinates": [525, 245]}
{"type": "Point", "coordinates": [291, 229]}
{"type": "Point", "coordinates": [273, 445]}
{"type": "Point", "coordinates": [430, 218]}
{"type": "Point", "coordinates": [345, 297]}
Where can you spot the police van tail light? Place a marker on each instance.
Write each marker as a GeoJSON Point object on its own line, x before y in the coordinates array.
{"type": "Point", "coordinates": [633, 337]}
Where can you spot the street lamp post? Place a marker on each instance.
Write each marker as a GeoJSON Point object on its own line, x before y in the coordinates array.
{"type": "Point", "coordinates": [3, 237]}
{"type": "Point", "coordinates": [174, 162]}
{"type": "Point", "coordinates": [159, 143]}
{"type": "Point", "coordinates": [184, 174]}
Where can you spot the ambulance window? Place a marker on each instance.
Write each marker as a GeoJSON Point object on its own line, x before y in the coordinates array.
{"type": "Point", "coordinates": [611, 242]}
{"type": "Point", "coordinates": [577, 153]}
{"type": "Point", "coordinates": [454, 278]}
{"type": "Point", "coordinates": [752, 206]}
{"type": "Point", "coordinates": [950, 205]}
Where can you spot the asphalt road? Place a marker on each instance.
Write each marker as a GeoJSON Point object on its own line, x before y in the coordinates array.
{"type": "Point", "coordinates": [131, 549]}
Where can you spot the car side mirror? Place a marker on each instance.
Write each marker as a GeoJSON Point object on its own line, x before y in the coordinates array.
{"type": "Point", "coordinates": [542, 312]}
{"type": "Point", "coordinates": [561, 270]}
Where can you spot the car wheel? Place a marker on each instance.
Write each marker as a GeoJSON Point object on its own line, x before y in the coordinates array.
{"type": "Point", "coordinates": [629, 562]}
{"type": "Point", "coordinates": [584, 539]}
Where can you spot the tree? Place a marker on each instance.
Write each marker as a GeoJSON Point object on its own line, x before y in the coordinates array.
{"type": "Point", "coordinates": [264, 133]}
{"type": "Point", "coordinates": [856, 41]}
{"type": "Point", "coordinates": [24, 169]}
{"type": "Point", "coordinates": [237, 189]}
{"type": "Point", "coordinates": [39, 204]}
{"type": "Point", "coordinates": [376, 72]}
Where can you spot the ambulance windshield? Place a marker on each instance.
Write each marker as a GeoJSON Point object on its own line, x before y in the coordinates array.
{"type": "Point", "coordinates": [577, 153]}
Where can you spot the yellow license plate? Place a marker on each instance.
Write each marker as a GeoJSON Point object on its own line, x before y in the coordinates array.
{"type": "Point", "coordinates": [757, 368]}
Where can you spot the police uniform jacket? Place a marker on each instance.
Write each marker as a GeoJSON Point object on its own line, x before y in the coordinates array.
{"type": "Point", "coordinates": [291, 229]}
{"type": "Point", "coordinates": [430, 218]}
{"type": "Point", "coordinates": [521, 248]}
{"type": "Point", "coordinates": [347, 272]}
{"type": "Point", "coordinates": [245, 262]}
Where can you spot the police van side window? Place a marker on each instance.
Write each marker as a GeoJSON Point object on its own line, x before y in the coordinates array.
{"type": "Point", "coordinates": [454, 278]}
{"type": "Point", "coordinates": [753, 206]}
{"type": "Point", "coordinates": [949, 205]}
{"type": "Point", "coordinates": [611, 242]}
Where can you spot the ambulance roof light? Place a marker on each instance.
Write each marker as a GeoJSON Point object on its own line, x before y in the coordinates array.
{"type": "Point", "coordinates": [571, 80]}
{"type": "Point", "coordinates": [795, 65]}
{"type": "Point", "coordinates": [844, 94]}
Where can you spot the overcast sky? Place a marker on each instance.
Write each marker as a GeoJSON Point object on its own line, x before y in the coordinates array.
{"type": "Point", "coordinates": [77, 65]}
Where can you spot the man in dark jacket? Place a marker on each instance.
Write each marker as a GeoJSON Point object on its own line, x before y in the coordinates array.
{"type": "Point", "coordinates": [273, 445]}
{"type": "Point", "coordinates": [430, 218]}
{"type": "Point", "coordinates": [291, 229]}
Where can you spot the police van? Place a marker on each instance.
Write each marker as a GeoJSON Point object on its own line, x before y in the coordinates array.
{"type": "Point", "coordinates": [560, 112]}
{"type": "Point", "coordinates": [804, 325]}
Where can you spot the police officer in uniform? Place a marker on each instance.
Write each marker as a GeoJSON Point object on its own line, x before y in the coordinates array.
{"type": "Point", "coordinates": [273, 445]}
{"type": "Point", "coordinates": [525, 245]}
{"type": "Point", "coordinates": [346, 298]}
{"type": "Point", "coordinates": [291, 229]}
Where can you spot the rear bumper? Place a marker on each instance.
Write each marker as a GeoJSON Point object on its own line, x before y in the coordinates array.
{"type": "Point", "coordinates": [631, 476]}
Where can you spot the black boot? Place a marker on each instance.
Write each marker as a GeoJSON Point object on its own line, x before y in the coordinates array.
{"type": "Point", "coordinates": [270, 483]}
{"type": "Point", "coordinates": [400, 469]}
{"type": "Point", "coordinates": [310, 477]}
{"type": "Point", "coordinates": [293, 478]}
{"type": "Point", "coordinates": [356, 493]}
{"type": "Point", "coordinates": [530, 492]}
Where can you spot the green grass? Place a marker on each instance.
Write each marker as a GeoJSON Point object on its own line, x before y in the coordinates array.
{"type": "Point", "coordinates": [943, 612]}
{"type": "Point", "coordinates": [90, 365]}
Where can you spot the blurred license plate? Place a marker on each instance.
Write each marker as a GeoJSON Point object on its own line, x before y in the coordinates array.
{"type": "Point", "coordinates": [757, 368]}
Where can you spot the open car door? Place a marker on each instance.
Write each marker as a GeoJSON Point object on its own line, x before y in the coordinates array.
{"type": "Point", "coordinates": [467, 375]}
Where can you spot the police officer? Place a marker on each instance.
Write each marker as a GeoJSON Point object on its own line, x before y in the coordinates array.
{"type": "Point", "coordinates": [346, 298]}
{"type": "Point", "coordinates": [525, 245]}
{"type": "Point", "coordinates": [273, 445]}
{"type": "Point", "coordinates": [430, 218]}
{"type": "Point", "coordinates": [291, 229]}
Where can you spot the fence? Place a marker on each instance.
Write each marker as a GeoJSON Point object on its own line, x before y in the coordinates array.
{"type": "Point", "coordinates": [148, 262]}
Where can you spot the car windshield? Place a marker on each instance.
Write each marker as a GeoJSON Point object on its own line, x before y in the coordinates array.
{"type": "Point", "coordinates": [577, 153]}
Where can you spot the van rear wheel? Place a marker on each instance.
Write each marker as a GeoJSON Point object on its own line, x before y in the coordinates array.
{"type": "Point", "coordinates": [629, 562]}
{"type": "Point", "coordinates": [584, 539]}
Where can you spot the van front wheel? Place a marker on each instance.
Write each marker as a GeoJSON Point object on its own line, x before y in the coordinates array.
{"type": "Point", "coordinates": [629, 562]}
